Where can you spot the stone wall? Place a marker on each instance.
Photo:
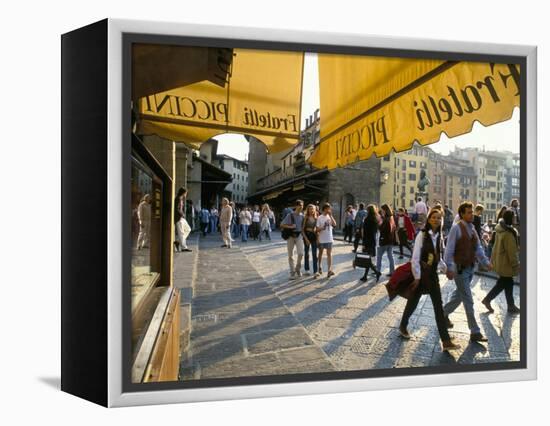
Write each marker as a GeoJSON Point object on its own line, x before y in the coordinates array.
{"type": "Point", "coordinates": [257, 158]}
{"type": "Point", "coordinates": [358, 183]}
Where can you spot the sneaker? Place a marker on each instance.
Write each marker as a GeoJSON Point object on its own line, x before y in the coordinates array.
{"type": "Point", "coordinates": [320, 270]}
{"type": "Point", "coordinates": [363, 278]}
{"type": "Point", "coordinates": [378, 274]}
{"type": "Point", "coordinates": [478, 337]}
{"type": "Point", "coordinates": [223, 245]}
{"type": "Point", "coordinates": [449, 345]}
{"type": "Point", "coordinates": [448, 322]}
{"type": "Point", "coordinates": [292, 277]}
{"type": "Point", "coordinates": [514, 310]}
{"type": "Point", "coordinates": [298, 274]}
{"type": "Point", "coordinates": [487, 304]}
{"type": "Point", "coordinates": [330, 274]}
{"type": "Point", "coordinates": [316, 275]}
{"type": "Point", "coordinates": [404, 333]}
{"type": "Point", "coordinates": [186, 249]}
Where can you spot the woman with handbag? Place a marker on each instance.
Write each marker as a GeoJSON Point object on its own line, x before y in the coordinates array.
{"type": "Point", "coordinates": [425, 260]}
{"type": "Point", "coordinates": [369, 229]}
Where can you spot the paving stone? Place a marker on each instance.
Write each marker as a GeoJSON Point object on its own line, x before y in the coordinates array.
{"type": "Point", "coordinates": [249, 319]}
{"type": "Point", "coordinates": [273, 340]}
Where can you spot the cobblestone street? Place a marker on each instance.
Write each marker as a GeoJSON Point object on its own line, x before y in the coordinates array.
{"type": "Point", "coordinates": [248, 319]}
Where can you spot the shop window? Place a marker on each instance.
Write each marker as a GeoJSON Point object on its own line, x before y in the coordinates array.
{"type": "Point", "coordinates": [146, 199]}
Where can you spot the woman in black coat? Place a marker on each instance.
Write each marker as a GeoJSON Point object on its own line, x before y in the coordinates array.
{"type": "Point", "coordinates": [425, 261]}
{"type": "Point", "coordinates": [368, 237]}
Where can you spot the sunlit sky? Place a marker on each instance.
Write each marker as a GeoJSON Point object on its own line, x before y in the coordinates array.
{"type": "Point", "coordinates": [498, 137]}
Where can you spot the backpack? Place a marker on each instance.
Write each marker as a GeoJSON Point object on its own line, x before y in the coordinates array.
{"type": "Point", "coordinates": [286, 233]}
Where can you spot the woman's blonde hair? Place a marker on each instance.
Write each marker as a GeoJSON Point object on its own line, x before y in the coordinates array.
{"type": "Point", "coordinates": [314, 210]}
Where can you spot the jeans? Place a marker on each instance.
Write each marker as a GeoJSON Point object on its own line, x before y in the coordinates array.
{"type": "Point", "coordinates": [244, 233]}
{"type": "Point", "coordinates": [381, 250]}
{"type": "Point", "coordinates": [297, 242]}
{"type": "Point", "coordinates": [213, 224]}
{"type": "Point", "coordinates": [234, 230]}
{"type": "Point", "coordinates": [506, 284]}
{"type": "Point", "coordinates": [204, 228]}
{"type": "Point", "coordinates": [463, 294]}
{"type": "Point", "coordinates": [313, 246]}
{"type": "Point", "coordinates": [266, 232]}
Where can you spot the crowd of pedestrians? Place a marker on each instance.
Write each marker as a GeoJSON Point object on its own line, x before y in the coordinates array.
{"type": "Point", "coordinates": [232, 222]}
{"type": "Point", "coordinates": [436, 240]}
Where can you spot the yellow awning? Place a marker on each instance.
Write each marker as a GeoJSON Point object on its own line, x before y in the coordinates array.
{"type": "Point", "coordinates": [374, 104]}
{"type": "Point", "coordinates": [262, 98]}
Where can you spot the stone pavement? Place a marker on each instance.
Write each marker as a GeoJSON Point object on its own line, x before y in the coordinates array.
{"type": "Point", "coordinates": [239, 325]}
{"type": "Point", "coordinates": [249, 319]}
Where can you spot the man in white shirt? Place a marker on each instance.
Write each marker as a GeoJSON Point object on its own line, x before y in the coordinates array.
{"type": "Point", "coordinates": [421, 210]}
{"type": "Point", "coordinates": [325, 224]}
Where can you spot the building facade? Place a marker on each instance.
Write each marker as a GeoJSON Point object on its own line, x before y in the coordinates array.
{"type": "Point", "coordinates": [490, 169]}
{"type": "Point", "coordinates": [512, 181]}
{"type": "Point", "coordinates": [239, 171]}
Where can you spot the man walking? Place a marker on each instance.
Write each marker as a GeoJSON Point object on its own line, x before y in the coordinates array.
{"type": "Point", "coordinates": [226, 215]}
{"type": "Point", "coordinates": [421, 211]}
{"type": "Point", "coordinates": [182, 227]}
{"type": "Point", "coordinates": [448, 218]}
{"type": "Point", "coordinates": [294, 221]}
{"type": "Point", "coordinates": [463, 248]}
{"type": "Point", "coordinates": [214, 220]}
{"type": "Point", "coordinates": [205, 220]}
{"type": "Point", "coordinates": [358, 225]}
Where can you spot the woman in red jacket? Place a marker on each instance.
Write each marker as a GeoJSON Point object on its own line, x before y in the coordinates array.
{"type": "Point", "coordinates": [405, 231]}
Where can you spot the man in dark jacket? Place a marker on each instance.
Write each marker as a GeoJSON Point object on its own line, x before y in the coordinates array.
{"type": "Point", "coordinates": [358, 225]}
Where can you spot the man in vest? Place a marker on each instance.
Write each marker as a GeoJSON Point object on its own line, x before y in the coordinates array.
{"type": "Point", "coordinates": [462, 251]}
